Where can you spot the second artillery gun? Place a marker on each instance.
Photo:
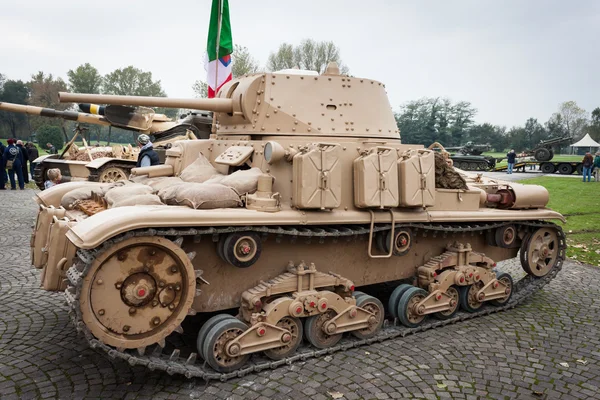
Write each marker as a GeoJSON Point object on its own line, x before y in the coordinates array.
{"type": "Point", "coordinates": [109, 163]}
{"type": "Point", "coordinates": [320, 197]}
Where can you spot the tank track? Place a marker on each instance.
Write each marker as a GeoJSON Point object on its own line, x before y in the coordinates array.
{"type": "Point", "coordinates": [95, 174]}
{"type": "Point", "coordinates": [173, 364]}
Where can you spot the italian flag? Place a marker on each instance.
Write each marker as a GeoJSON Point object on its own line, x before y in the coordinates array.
{"type": "Point", "coordinates": [219, 56]}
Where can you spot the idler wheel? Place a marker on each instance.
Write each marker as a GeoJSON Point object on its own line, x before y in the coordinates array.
{"type": "Point", "coordinates": [402, 241]}
{"type": "Point", "coordinates": [374, 306]}
{"type": "Point", "coordinates": [539, 253]}
{"type": "Point", "coordinates": [294, 326]}
{"type": "Point", "coordinates": [206, 327]}
{"type": "Point", "coordinates": [407, 310]}
{"type": "Point", "coordinates": [315, 334]}
{"type": "Point", "coordinates": [468, 297]}
{"type": "Point", "coordinates": [242, 249]}
{"type": "Point", "coordinates": [453, 293]}
{"type": "Point", "coordinates": [217, 341]}
{"type": "Point", "coordinates": [395, 299]}
{"type": "Point", "coordinates": [507, 280]}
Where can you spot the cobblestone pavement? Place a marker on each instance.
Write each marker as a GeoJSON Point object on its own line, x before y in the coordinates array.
{"type": "Point", "coordinates": [549, 345]}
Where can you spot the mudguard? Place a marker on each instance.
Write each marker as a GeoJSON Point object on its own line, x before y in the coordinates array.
{"type": "Point", "coordinates": [100, 162]}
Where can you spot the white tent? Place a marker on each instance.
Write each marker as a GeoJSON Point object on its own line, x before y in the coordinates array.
{"type": "Point", "coordinates": [588, 142]}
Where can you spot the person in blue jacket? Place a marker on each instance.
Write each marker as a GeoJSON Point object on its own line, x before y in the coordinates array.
{"type": "Point", "coordinates": [3, 174]}
{"type": "Point", "coordinates": [13, 160]}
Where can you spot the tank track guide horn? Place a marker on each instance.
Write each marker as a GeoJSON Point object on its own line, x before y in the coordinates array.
{"type": "Point", "coordinates": [304, 301]}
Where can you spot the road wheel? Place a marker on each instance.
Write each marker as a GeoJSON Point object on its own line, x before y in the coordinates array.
{"type": "Point", "coordinates": [443, 315]}
{"type": "Point", "coordinates": [242, 249]}
{"type": "Point", "coordinates": [473, 166]}
{"type": "Point", "coordinates": [206, 327]}
{"type": "Point", "coordinates": [112, 174]}
{"type": "Point", "coordinates": [313, 329]}
{"type": "Point", "coordinates": [374, 306]}
{"type": "Point", "coordinates": [407, 312]}
{"type": "Point", "coordinates": [294, 326]}
{"type": "Point", "coordinates": [468, 297]}
{"type": "Point", "coordinates": [217, 342]}
{"type": "Point", "coordinates": [395, 299]}
{"type": "Point", "coordinates": [507, 280]}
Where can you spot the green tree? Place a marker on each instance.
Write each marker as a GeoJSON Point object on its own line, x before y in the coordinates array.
{"type": "Point", "coordinates": [131, 81]}
{"type": "Point", "coordinates": [50, 134]}
{"type": "Point", "coordinates": [534, 131]}
{"type": "Point", "coordinates": [429, 120]}
{"type": "Point", "coordinates": [594, 127]}
{"type": "Point", "coordinates": [85, 79]}
{"type": "Point", "coordinates": [488, 133]}
{"type": "Point", "coordinates": [13, 92]}
{"type": "Point", "coordinates": [309, 54]}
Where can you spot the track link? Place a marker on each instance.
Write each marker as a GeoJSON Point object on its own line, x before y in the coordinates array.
{"type": "Point", "coordinates": [173, 364]}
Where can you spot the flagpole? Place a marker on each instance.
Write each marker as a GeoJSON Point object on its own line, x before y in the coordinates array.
{"type": "Point", "coordinates": [214, 124]}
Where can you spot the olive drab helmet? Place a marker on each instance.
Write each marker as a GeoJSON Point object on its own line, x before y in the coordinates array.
{"type": "Point", "coordinates": [143, 139]}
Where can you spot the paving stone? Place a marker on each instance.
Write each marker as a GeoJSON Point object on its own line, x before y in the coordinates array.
{"type": "Point", "coordinates": [504, 355]}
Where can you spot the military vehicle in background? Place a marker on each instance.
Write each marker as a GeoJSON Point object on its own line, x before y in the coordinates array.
{"type": "Point", "coordinates": [110, 163]}
{"type": "Point", "coordinates": [469, 157]}
{"type": "Point", "coordinates": [544, 150]}
{"type": "Point", "coordinates": [302, 195]}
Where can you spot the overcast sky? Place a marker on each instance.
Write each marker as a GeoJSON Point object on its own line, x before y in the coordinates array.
{"type": "Point", "coordinates": [511, 59]}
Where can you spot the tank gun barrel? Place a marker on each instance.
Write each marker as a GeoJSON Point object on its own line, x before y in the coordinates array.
{"type": "Point", "coordinates": [215, 104]}
{"type": "Point", "coordinates": [52, 113]}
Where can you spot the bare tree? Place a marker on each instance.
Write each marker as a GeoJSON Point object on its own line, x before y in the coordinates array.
{"type": "Point", "coordinates": [309, 54]}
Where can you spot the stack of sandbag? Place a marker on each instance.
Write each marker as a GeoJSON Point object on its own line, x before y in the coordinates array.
{"type": "Point", "coordinates": [242, 181]}
{"type": "Point", "coordinates": [200, 195]}
{"type": "Point", "coordinates": [199, 171]}
{"type": "Point", "coordinates": [130, 195]}
{"type": "Point", "coordinates": [84, 193]}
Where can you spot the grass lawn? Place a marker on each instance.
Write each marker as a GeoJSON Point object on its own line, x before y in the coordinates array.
{"type": "Point", "coordinates": [579, 202]}
{"type": "Point", "coordinates": [557, 157]}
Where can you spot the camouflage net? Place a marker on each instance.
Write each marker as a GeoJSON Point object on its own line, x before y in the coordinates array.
{"type": "Point", "coordinates": [445, 175]}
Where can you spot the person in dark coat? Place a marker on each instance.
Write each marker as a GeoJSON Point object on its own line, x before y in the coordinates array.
{"type": "Point", "coordinates": [25, 157]}
{"type": "Point", "coordinates": [147, 156]}
{"type": "Point", "coordinates": [32, 154]}
{"type": "Point", "coordinates": [511, 157]}
{"type": "Point", "coordinates": [13, 154]}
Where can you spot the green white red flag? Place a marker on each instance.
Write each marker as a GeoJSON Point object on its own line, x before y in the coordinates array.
{"type": "Point", "coordinates": [219, 56]}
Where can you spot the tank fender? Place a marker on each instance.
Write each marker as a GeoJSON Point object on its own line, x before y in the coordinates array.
{"type": "Point", "coordinates": [53, 196]}
{"type": "Point", "coordinates": [100, 162]}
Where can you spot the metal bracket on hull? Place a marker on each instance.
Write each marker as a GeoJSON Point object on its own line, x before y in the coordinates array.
{"type": "Point", "coordinates": [370, 249]}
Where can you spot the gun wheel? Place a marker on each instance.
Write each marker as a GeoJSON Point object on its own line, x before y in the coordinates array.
{"type": "Point", "coordinates": [137, 292]}
{"type": "Point", "coordinates": [112, 174]}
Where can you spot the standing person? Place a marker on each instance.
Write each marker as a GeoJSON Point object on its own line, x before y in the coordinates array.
{"type": "Point", "coordinates": [25, 158]}
{"type": "Point", "coordinates": [13, 160]}
{"type": "Point", "coordinates": [597, 167]}
{"type": "Point", "coordinates": [51, 149]}
{"type": "Point", "coordinates": [588, 163]}
{"type": "Point", "coordinates": [511, 158]}
{"type": "Point", "coordinates": [3, 174]}
{"type": "Point", "coordinates": [147, 156]}
{"type": "Point", "coordinates": [32, 154]}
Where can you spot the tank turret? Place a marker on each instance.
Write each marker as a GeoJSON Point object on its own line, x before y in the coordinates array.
{"type": "Point", "coordinates": [285, 103]}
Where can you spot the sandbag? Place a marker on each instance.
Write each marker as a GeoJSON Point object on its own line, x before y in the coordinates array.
{"type": "Point", "coordinates": [201, 195]}
{"type": "Point", "coordinates": [139, 200]}
{"type": "Point", "coordinates": [243, 181]}
{"type": "Point", "coordinates": [216, 178]}
{"type": "Point", "coordinates": [116, 195]}
{"type": "Point", "coordinates": [164, 182]}
{"type": "Point", "coordinates": [84, 193]}
{"type": "Point", "coordinates": [199, 171]}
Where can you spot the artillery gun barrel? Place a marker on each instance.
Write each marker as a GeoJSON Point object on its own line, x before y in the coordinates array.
{"type": "Point", "coordinates": [52, 113]}
{"type": "Point", "coordinates": [215, 104]}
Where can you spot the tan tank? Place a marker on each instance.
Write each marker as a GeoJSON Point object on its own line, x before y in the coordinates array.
{"type": "Point", "coordinates": [303, 194]}
{"type": "Point", "coordinates": [109, 163]}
